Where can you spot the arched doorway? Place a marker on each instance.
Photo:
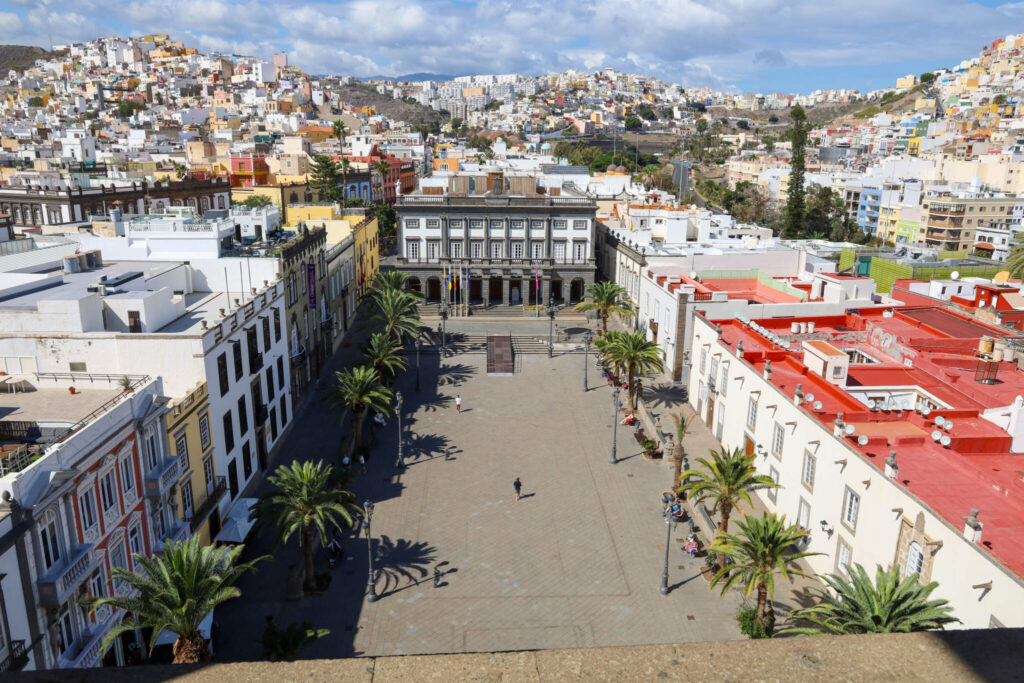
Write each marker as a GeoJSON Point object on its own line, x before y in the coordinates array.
{"type": "Point", "coordinates": [494, 293]}
{"type": "Point", "coordinates": [556, 291]}
{"type": "Point", "coordinates": [434, 289]}
{"type": "Point", "coordinates": [476, 290]}
{"type": "Point", "coordinates": [515, 291]}
{"type": "Point", "coordinates": [577, 290]}
{"type": "Point", "coordinates": [414, 285]}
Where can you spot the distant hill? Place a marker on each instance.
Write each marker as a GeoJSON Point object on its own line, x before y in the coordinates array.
{"type": "Point", "coordinates": [20, 57]}
{"type": "Point", "coordinates": [363, 95]}
{"type": "Point", "coordinates": [412, 77]}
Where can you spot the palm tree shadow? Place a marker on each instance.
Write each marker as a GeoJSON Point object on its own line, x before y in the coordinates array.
{"type": "Point", "coordinates": [402, 559]}
{"type": "Point", "coordinates": [427, 446]}
{"type": "Point", "coordinates": [432, 404]}
{"type": "Point", "coordinates": [665, 396]}
{"type": "Point", "coordinates": [455, 374]}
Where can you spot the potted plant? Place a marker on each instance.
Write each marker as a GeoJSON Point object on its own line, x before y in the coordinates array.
{"type": "Point", "coordinates": [650, 447]}
{"type": "Point", "coordinates": [126, 384]}
{"type": "Point", "coordinates": [71, 390]}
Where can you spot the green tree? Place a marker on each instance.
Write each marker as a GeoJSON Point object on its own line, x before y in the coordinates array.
{"type": "Point", "coordinates": [345, 165]}
{"type": "Point", "coordinates": [890, 604]}
{"type": "Point", "coordinates": [36, 101]}
{"type": "Point", "coordinates": [795, 203]}
{"type": "Point", "coordinates": [180, 170]}
{"type": "Point", "coordinates": [682, 426]}
{"type": "Point", "coordinates": [633, 123]}
{"type": "Point", "coordinates": [125, 108]}
{"type": "Point", "coordinates": [773, 119]}
{"type": "Point", "coordinates": [256, 201]}
{"type": "Point", "coordinates": [726, 479]}
{"type": "Point", "coordinates": [390, 279]}
{"type": "Point", "coordinates": [926, 77]}
{"type": "Point", "coordinates": [743, 124]}
{"type": "Point", "coordinates": [174, 591]}
{"type": "Point", "coordinates": [284, 644]}
{"type": "Point", "coordinates": [456, 124]}
{"type": "Point", "coordinates": [826, 215]}
{"type": "Point", "coordinates": [761, 550]}
{"type": "Point", "coordinates": [999, 99]}
{"type": "Point", "coordinates": [359, 391]}
{"type": "Point", "coordinates": [398, 313]}
{"type": "Point", "coordinates": [646, 113]}
{"type": "Point", "coordinates": [384, 355]}
{"type": "Point", "coordinates": [1015, 262]}
{"type": "Point", "coordinates": [339, 131]}
{"type": "Point", "coordinates": [324, 178]}
{"type": "Point", "coordinates": [607, 298]}
{"type": "Point", "coordinates": [304, 502]}
{"type": "Point", "coordinates": [633, 354]}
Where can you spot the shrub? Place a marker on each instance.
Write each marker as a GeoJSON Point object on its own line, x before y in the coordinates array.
{"type": "Point", "coordinates": [746, 617]}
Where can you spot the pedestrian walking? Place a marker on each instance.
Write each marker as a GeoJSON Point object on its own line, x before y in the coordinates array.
{"type": "Point", "coordinates": [458, 403]}
{"type": "Point", "coordinates": [518, 485]}
{"type": "Point", "coordinates": [362, 464]}
{"type": "Point", "coordinates": [344, 461]}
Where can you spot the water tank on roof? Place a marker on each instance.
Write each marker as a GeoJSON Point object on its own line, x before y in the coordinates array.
{"type": "Point", "coordinates": [70, 264]}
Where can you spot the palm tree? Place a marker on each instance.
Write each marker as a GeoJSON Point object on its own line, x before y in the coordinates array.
{"type": "Point", "coordinates": [304, 502]}
{"type": "Point", "coordinates": [339, 130]}
{"type": "Point", "coordinates": [180, 170]}
{"type": "Point", "coordinates": [284, 644]}
{"type": "Point", "coordinates": [607, 298]}
{"type": "Point", "coordinates": [727, 478]}
{"type": "Point", "coordinates": [384, 354]}
{"type": "Point", "coordinates": [359, 390]}
{"type": "Point", "coordinates": [631, 352]}
{"type": "Point", "coordinates": [175, 591]}
{"type": "Point", "coordinates": [889, 605]}
{"type": "Point", "coordinates": [390, 279]}
{"type": "Point", "coordinates": [383, 168]}
{"type": "Point", "coordinates": [398, 313]}
{"type": "Point", "coordinates": [345, 166]}
{"type": "Point", "coordinates": [682, 426]}
{"type": "Point", "coordinates": [761, 550]}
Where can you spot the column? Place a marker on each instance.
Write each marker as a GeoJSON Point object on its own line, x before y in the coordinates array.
{"type": "Point", "coordinates": [504, 290]}
{"type": "Point", "coordinates": [487, 239]}
{"type": "Point", "coordinates": [545, 288]}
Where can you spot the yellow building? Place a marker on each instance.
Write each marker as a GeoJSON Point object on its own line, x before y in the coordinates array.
{"type": "Point", "coordinates": [914, 146]}
{"type": "Point", "coordinates": [310, 212]}
{"type": "Point", "coordinates": [281, 195]}
{"type": "Point", "coordinates": [367, 257]}
{"type": "Point", "coordinates": [199, 489]}
{"type": "Point", "coordinates": [907, 81]}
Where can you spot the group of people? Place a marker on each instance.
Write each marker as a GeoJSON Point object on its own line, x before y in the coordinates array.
{"type": "Point", "coordinates": [674, 509]}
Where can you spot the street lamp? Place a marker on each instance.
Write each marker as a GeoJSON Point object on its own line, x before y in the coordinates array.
{"type": "Point", "coordinates": [417, 342]}
{"type": "Point", "coordinates": [444, 318]}
{"type": "Point", "coordinates": [398, 411]}
{"type": "Point", "coordinates": [586, 361]}
{"type": "Point", "coordinates": [551, 325]}
{"type": "Point", "coordinates": [616, 404]}
{"type": "Point", "coordinates": [668, 541]}
{"type": "Point", "coordinates": [371, 595]}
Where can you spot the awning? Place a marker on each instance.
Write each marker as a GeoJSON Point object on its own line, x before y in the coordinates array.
{"type": "Point", "coordinates": [168, 637]}
{"type": "Point", "coordinates": [237, 526]}
{"type": "Point", "coordinates": [984, 245]}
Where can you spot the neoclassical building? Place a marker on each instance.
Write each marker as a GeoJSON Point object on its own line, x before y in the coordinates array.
{"type": "Point", "coordinates": [509, 248]}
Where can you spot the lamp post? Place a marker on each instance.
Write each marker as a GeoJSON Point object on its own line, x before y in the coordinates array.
{"type": "Point", "coordinates": [551, 325]}
{"type": "Point", "coordinates": [586, 359]}
{"type": "Point", "coordinates": [668, 541]}
{"type": "Point", "coordinates": [444, 318]}
{"type": "Point", "coordinates": [371, 595]}
{"type": "Point", "coordinates": [417, 363]}
{"type": "Point", "coordinates": [398, 410]}
{"type": "Point", "coordinates": [616, 404]}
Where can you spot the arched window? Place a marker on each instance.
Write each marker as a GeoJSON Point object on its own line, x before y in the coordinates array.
{"type": "Point", "coordinates": [472, 185]}
{"type": "Point", "coordinates": [915, 559]}
{"type": "Point", "coordinates": [50, 541]}
{"type": "Point", "coordinates": [295, 337]}
{"type": "Point", "coordinates": [220, 201]}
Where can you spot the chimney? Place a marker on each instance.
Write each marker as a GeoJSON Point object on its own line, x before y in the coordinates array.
{"type": "Point", "coordinates": [839, 427]}
{"type": "Point", "coordinates": [891, 468]}
{"type": "Point", "coordinates": [798, 395]}
{"type": "Point", "coordinates": [972, 527]}
{"type": "Point", "coordinates": [767, 369]}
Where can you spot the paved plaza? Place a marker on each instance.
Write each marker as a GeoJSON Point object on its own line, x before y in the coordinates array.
{"type": "Point", "coordinates": [463, 566]}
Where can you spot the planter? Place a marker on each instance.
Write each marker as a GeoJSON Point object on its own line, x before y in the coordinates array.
{"type": "Point", "coordinates": [653, 454]}
{"type": "Point", "coordinates": [71, 390]}
{"type": "Point", "coordinates": [707, 572]}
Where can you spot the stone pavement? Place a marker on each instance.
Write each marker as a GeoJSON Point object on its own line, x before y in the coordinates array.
{"type": "Point", "coordinates": [462, 566]}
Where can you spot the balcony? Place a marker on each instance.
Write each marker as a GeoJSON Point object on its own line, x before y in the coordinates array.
{"type": "Point", "coordinates": [61, 581]}
{"type": "Point", "coordinates": [299, 356]}
{"type": "Point", "coordinates": [162, 477]}
{"type": "Point", "coordinates": [17, 657]}
{"type": "Point", "coordinates": [202, 512]}
{"type": "Point", "coordinates": [327, 322]}
{"type": "Point", "coordinates": [255, 362]}
{"type": "Point", "coordinates": [87, 651]}
{"type": "Point", "coordinates": [177, 530]}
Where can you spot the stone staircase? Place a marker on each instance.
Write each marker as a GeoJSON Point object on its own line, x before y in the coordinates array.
{"type": "Point", "coordinates": [458, 342]}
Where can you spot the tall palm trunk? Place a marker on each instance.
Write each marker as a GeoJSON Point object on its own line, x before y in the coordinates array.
{"type": "Point", "coordinates": [604, 323]}
{"type": "Point", "coordinates": [726, 508]}
{"type": "Point", "coordinates": [357, 431]}
{"type": "Point", "coordinates": [191, 649]}
{"type": "Point", "coordinates": [632, 388]}
{"type": "Point", "coordinates": [309, 582]}
{"type": "Point", "coordinates": [344, 183]}
{"type": "Point", "coordinates": [765, 612]}
{"type": "Point", "coordinates": [678, 454]}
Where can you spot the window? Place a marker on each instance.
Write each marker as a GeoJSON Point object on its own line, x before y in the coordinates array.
{"type": "Point", "coordinates": [476, 249]}
{"type": "Point", "coordinates": [204, 431]}
{"type": "Point", "coordinates": [557, 224]}
{"type": "Point", "coordinates": [703, 361]}
{"type": "Point", "coordinates": [151, 452]}
{"type": "Point", "coordinates": [252, 340]}
{"type": "Point", "coordinates": [560, 252]}
{"type": "Point", "coordinates": [432, 249]}
{"type": "Point", "coordinates": [412, 223]}
{"type": "Point", "coordinates": [135, 539]}
{"type": "Point", "coordinates": [237, 345]}
{"type": "Point", "coordinates": [803, 514]}
{"type": "Point", "coordinates": [844, 556]}
{"type": "Point", "coordinates": [246, 460]}
{"type": "Point", "coordinates": [851, 505]}
{"type": "Point", "coordinates": [752, 413]}
{"type": "Point", "coordinates": [97, 584]}
{"type": "Point", "coordinates": [579, 251]}
{"type": "Point", "coordinates": [49, 540]}
{"type": "Point", "coordinates": [186, 499]}
{"type": "Point", "coordinates": [915, 559]}
{"type": "Point", "coordinates": [712, 373]}
{"type": "Point", "coordinates": [118, 559]}
{"type": "Point", "coordinates": [280, 373]}
{"type": "Point", "coordinates": [724, 379]}
{"type": "Point", "coordinates": [108, 492]}
{"type": "Point", "coordinates": [134, 322]}
{"type": "Point", "coordinates": [181, 449]}
{"type": "Point", "coordinates": [266, 333]}
{"type": "Point", "coordinates": [222, 372]}
{"type": "Point", "coordinates": [277, 326]}
{"type": "Point", "coordinates": [412, 249]}
{"type": "Point", "coordinates": [773, 493]}
{"type": "Point", "coordinates": [77, 367]}
{"type": "Point", "coordinates": [810, 463]}
{"type": "Point", "coordinates": [233, 477]}
{"type": "Point", "coordinates": [495, 249]}
{"type": "Point", "coordinates": [65, 631]}
{"type": "Point", "coordinates": [87, 509]}
{"type": "Point", "coordinates": [127, 475]}
{"type": "Point", "coordinates": [433, 223]}
{"type": "Point", "coordinates": [778, 439]}
{"type": "Point", "coordinates": [229, 433]}
{"type": "Point", "coordinates": [284, 410]}
{"type": "Point", "coordinates": [517, 224]}
{"type": "Point", "coordinates": [243, 417]}
{"type": "Point", "coordinates": [579, 225]}
{"type": "Point", "coordinates": [455, 249]}
{"type": "Point", "coordinates": [273, 424]}
{"type": "Point", "coordinates": [270, 382]}
{"type": "Point", "coordinates": [517, 250]}
{"type": "Point", "coordinates": [537, 250]}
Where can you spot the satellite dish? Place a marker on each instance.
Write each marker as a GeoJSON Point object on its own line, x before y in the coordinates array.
{"type": "Point", "coordinates": [817, 405]}
{"type": "Point", "coordinates": [926, 412]}
{"type": "Point", "coordinates": [810, 398]}
{"type": "Point", "coordinates": [940, 420]}
{"type": "Point", "coordinates": [862, 440]}
{"type": "Point", "coordinates": [871, 403]}
{"type": "Point", "coordinates": [945, 441]}
{"type": "Point", "coordinates": [1001, 277]}
{"type": "Point", "coordinates": [906, 404]}
{"type": "Point", "coordinates": [955, 275]}
{"type": "Point", "coordinates": [948, 425]}
{"type": "Point", "coordinates": [850, 429]}
{"type": "Point", "coordinates": [936, 435]}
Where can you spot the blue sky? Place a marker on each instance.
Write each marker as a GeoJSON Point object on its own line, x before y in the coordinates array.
{"type": "Point", "coordinates": [749, 45]}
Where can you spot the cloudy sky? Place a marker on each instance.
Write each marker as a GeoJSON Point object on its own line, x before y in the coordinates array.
{"type": "Point", "coordinates": [752, 45]}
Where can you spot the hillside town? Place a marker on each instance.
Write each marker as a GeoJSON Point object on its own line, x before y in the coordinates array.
{"type": "Point", "coordinates": [195, 249]}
